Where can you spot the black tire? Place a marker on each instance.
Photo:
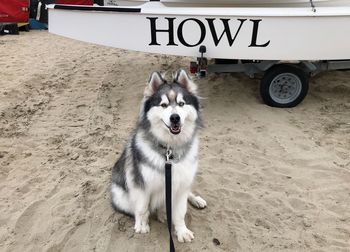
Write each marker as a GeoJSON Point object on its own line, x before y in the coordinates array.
{"type": "Point", "coordinates": [27, 28]}
{"type": "Point", "coordinates": [284, 86]}
{"type": "Point", "coordinates": [13, 28]}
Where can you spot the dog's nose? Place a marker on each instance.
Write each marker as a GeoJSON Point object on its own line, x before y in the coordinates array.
{"type": "Point", "coordinates": [175, 118]}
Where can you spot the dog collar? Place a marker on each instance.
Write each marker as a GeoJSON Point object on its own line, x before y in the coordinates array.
{"type": "Point", "coordinates": [168, 153]}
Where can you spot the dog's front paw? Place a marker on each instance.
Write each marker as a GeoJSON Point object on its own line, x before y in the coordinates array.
{"type": "Point", "coordinates": [184, 235]}
{"type": "Point", "coordinates": [142, 228]}
{"type": "Point", "coordinates": [198, 202]}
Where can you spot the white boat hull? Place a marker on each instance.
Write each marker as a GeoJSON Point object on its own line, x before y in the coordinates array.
{"type": "Point", "coordinates": [255, 33]}
{"type": "Point", "coordinates": [251, 3]}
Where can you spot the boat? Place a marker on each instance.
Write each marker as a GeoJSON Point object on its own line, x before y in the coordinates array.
{"type": "Point", "coordinates": [246, 3]}
{"type": "Point", "coordinates": [254, 33]}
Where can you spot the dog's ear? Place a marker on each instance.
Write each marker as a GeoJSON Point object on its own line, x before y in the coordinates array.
{"type": "Point", "coordinates": [184, 80]}
{"type": "Point", "coordinates": [154, 82]}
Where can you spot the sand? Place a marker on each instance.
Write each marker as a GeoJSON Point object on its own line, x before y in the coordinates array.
{"type": "Point", "coordinates": [274, 179]}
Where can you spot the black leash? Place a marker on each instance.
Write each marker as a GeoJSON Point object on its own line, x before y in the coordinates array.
{"type": "Point", "coordinates": [168, 196]}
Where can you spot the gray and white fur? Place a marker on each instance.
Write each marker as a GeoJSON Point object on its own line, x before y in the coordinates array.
{"type": "Point", "coordinates": [169, 119]}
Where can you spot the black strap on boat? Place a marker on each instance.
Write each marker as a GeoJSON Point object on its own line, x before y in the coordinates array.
{"type": "Point", "coordinates": [313, 6]}
{"type": "Point", "coordinates": [168, 166]}
{"type": "Point", "coordinates": [94, 8]}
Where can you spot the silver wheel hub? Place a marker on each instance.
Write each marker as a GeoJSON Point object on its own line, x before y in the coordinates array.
{"type": "Point", "coordinates": [285, 88]}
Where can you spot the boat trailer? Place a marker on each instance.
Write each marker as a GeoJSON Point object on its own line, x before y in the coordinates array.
{"type": "Point", "coordinates": [284, 84]}
{"type": "Point", "coordinates": [286, 46]}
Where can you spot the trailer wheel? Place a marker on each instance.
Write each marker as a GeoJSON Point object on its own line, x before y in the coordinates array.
{"type": "Point", "coordinates": [284, 86]}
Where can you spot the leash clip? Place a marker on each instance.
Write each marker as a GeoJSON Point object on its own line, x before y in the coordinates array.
{"type": "Point", "coordinates": [168, 155]}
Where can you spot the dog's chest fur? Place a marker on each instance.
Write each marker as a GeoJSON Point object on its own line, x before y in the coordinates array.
{"type": "Point", "coordinates": [184, 168]}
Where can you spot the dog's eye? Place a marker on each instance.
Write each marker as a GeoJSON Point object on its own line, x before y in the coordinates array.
{"type": "Point", "coordinates": [181, 104]}
{"type": "Point", "coordinates": [164, 105]}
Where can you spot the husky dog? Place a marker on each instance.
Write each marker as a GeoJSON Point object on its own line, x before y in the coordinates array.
{"type": "Point", "coordinates": [169, 120]}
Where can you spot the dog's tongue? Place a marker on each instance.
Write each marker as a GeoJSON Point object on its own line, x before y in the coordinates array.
{"type": "Point", "coordinates": [175, 129]}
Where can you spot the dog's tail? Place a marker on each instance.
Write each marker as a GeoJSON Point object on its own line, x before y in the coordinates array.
{"type": "Point", "coordinates": [120, 200]}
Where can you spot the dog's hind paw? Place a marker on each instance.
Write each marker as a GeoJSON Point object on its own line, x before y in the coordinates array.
{"type": "Point", "coordinates": [161, 217]}
{"type": "Point", "coordinates": [184, 235]}
{"type": "Point", "coordinates": [197, 201]}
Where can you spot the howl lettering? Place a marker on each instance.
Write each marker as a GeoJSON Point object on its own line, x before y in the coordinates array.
{"type": "Point", "coordinates": [217, 38]}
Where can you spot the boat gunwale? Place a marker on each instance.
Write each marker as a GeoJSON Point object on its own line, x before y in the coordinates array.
{"type": "Point", "coordinates": [157, 8]}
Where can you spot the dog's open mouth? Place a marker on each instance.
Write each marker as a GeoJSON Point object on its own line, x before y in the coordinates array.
{"type": "Point", "coordinates": [174, 128]}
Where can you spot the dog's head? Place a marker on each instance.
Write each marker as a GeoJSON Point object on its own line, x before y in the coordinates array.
{"type": "Point", "coordinates": [171, 109]}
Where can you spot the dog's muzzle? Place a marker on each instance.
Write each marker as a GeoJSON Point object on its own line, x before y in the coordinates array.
{"type": "Point", "coordinates": [175, 124]}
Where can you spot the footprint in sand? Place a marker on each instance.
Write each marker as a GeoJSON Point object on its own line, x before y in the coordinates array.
{"type": "Point", "coordinates": [26, 222]}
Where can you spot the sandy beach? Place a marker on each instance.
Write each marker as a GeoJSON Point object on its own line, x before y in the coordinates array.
{"type": "Point", "coordinates": [274, 179]}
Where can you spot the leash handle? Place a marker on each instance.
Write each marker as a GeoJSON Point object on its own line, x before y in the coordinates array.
{"type": "Point", "coordinates": [168, 200]}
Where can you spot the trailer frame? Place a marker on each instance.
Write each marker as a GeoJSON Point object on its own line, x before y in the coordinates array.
{"type": "Point", "coordinates": [284, 83]}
